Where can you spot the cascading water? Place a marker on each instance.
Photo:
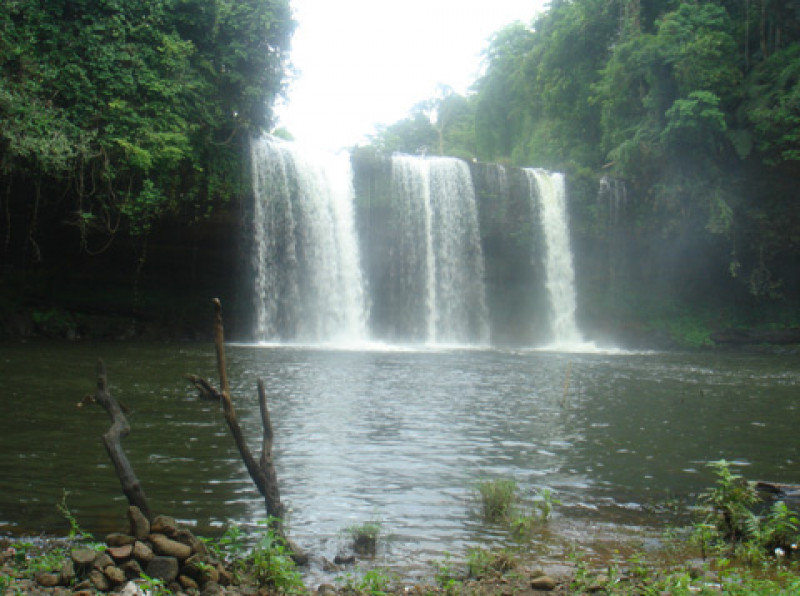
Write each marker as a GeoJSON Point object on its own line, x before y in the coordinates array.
{"type": "Point", "coordinates": [436, 266]}
{"type": "Point", "coordinates": [308, 279]}
{"type": "Point", "coordinates": [551, 192]}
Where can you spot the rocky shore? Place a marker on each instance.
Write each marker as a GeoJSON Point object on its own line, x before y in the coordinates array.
{"type": "Point", "coordinates": [163, 557]}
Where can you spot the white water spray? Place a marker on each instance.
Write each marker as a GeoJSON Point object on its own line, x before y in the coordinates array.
{"type": "Point", "coordinates": [558, 265]}
{"type": "Point", "coordinates": [308, 279]}
{"type": "Point", "coordinates": [436, 200]}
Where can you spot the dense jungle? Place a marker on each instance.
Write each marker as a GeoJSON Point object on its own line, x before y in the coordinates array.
{"type": "Point", "coordinates": [124, 161]}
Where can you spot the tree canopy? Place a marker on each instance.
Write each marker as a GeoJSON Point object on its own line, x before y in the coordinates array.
{"type": "Point", "coordinates": [115, 112]}
{"type": "Point", "coordinates": [696, 105]}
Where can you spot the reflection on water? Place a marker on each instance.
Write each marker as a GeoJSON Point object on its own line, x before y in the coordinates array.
{"type": "Point", "coordinates": [400, 436]}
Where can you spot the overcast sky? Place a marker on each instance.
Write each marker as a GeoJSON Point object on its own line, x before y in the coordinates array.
{"type": "Point", "coordinates": [365, 62]}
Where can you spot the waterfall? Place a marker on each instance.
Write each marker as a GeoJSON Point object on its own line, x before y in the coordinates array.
{"type": "Point", "coordinates": [308, 282]}
{"type": "Point", "coordinates": [560, 275]}
{"type": "Point", "coordinates": [436, 265]}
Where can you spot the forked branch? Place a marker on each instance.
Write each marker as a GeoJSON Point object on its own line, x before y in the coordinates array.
{"type": "Point", "coordinates": [262, 472]}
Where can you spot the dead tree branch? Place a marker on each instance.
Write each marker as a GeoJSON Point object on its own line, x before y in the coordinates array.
{"type": "Point", "coordinates": [112, 439]}
{"type": "Point", "coordinates": [262, 472]}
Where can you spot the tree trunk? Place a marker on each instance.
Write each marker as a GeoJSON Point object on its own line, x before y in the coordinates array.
{"type": "Point", "coordinates": [112, 440]}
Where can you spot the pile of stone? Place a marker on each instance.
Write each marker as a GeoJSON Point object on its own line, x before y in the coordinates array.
{"type": "Point", "coordinates": [161, 550]}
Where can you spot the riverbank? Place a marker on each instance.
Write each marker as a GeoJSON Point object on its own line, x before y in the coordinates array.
{"type": "Point", "coordinates": [34, 566]}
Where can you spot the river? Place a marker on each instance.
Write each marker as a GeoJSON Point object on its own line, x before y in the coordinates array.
{"type": "Point", "coordinates": [400, 436]}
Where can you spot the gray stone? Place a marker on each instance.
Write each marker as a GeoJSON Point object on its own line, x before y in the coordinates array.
{"type": "Point", "coordinates": [170, 548]}
{"type": "Point", "coordinates": [99, 580]}
{"type": "Point", "coordinates": [48, 580]}
{"type": "Point", "coordinates": [121, 553]}
{"type": "Point", "coordinates": [163, 568]}
{"type": "Point", "coordinates": [102, 560]}
{"type": "Point", "coordinates": [184, 536]}
{"type": "Point", "coordinates": [544, 583]}
{"type": "Point", "coordinates": [142, 552]}
{"type": "Point", "coordinates": [117, 539]}
{"type": "Point", "coordinates": [115, 575]}
{"type": "Point", "coordinates": [140, 525]}
{"type": "Point", "coordinates": [163, 524]}
{"type": "Point", "coordinates": [83, 556]}
{"type": "Point", "coordinates": [132, 569]}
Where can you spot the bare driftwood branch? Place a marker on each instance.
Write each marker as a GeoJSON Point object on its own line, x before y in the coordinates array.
{"type": "Point", "coordinates": [262, 472]}
{"type": "Point", "coordinates": [112, 439]}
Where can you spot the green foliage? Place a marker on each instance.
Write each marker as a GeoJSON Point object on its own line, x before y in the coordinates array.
{"type": "Point", "coordinates": [695, 105]}
{"type": "Point", "coordinates": [482, 562]}
{"type": "Point", "coordinates": [639, 575]}
{"type": "Point", "coordinates": [729, 522]}
{"type": "Point", "coordinates": [445, 576]}
{"type": "Point", "coordinates": [135, 108]}
{"type": "Point", "coordinates": [153, 585]}
{"type": "Point", "coordinates": [365, 537]}
{"type": "Point", "coordinates": [727, 505]}
{"type": "Point", "coordinates": [271, 564]}
{"type": "Point", "coordinates": [374, 582]}
{"type": "Point", "coordinates": [75, 530]}
{"type": "Point", "coordinates": [230, 546]}
{"type": "Point", "coordinates": [497, 498]}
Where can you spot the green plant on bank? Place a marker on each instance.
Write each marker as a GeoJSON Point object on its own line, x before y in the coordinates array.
{"type": "Point", "coordinates": [499, 502]}
{"type": "Point", "coordinates": [497, 498]}
{"type": "Point", "coordinates": [152, 585]}
{"type": "Point", "coordinates": [445, 576]}
{"type": "Point", "coordinates": [375, 582]}
{"type": "Point", "coordinates": [230, 546]}
{"type": "Point", "coordinates": [271, 563]}
{"type": "Point", "coordinates": [75, 530]}
{"type": "Point", "coordinates": [365, 537]}
{"type": "Point", "coordinates": [730, 525]}
{"type": "Point", "coordinates": [482, 562]}
{"type": "Point", "coordinates": [649, 578]}
{"type": "Point", "coordinates": [31, 559]}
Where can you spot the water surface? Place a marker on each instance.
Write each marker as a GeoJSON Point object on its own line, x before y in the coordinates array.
{"type": "Point", "coordinates": [400, 436]}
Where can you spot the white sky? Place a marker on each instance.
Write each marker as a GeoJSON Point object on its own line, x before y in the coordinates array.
{"type": "Point", "coordinates": [367, 62]}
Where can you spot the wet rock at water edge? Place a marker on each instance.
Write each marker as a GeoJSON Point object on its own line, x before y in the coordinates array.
{"type": "Point", "coordinates": [140, 525]}
{"type": "Point", "coordinates": [117, 539]}
{"type": "Point", "coordinates": [170, 548]}
{"type": "Point", "coordinates": [544, 583]}
{"type": "Point", "coordinates": [164, 524]}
